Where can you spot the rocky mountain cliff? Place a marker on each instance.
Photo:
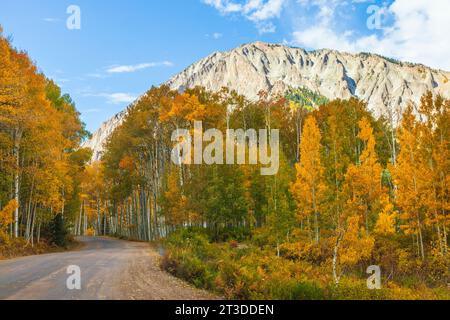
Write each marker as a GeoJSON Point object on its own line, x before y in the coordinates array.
{"type": "Point", "coordinates": [385, 84]}
{"type": "Point", "coordinates": [99, 137]}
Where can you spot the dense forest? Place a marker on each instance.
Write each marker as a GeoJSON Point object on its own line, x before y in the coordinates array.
{"type": "Point", "coordinates": [40, 159]}
{"type": "Point", "coordinates": [351, 190]}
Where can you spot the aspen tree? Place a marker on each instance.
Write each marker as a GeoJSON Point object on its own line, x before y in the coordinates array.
{"type": "Point", "coordinates": [308, 189]}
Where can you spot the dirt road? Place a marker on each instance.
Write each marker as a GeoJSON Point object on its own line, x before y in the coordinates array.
{"type": "Point", "coordinates": [110, 269]}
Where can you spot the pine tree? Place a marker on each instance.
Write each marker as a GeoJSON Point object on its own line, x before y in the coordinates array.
{"type": "Point", "coordinates": [58, 231]}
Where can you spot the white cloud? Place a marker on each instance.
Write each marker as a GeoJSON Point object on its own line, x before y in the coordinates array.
{"type": "Point", "coordinates": [412, 30]}
{"type": "Point", "coordinates": [117, 98]}
{"type": "Point", "coordinates": [223, 5]}
{"type": "Point", "coordinates": [137, 67]}
{"type": "Point", "coordinates": [93, 110]}
{"type": "Point", "coordinates": [217, 35]}
{"type": "Point", "coordinates": [51, 19]}
{"type": "Point", "coordinates": [114, 98]}
{"type": "Point", "coordinates": [270, 9]}
{"type": "Point", "coordinates": [266, 27]}
{"type": "Point", "coordinates": [96, 75]}
{"type": "Point", "coordinates": [419, 33]}
{"type": "Point", "coordinates": [319, 37]}
{"type": "Point", "coordinates": [257, 11]}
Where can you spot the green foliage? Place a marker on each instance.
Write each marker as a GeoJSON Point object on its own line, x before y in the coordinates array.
{"type": "Point", "coordinates": [40, 130]}
{"type": "Point", "coordinates": [305, 98]}
{"type": "Point", "coordinates": [237, 273]}
{"type": "Point", "coordinates": [247, 272]}
{"type": "Point", "coordinates": [59, 233]}
{"type": "Point", "coordinates": [366, 192]}
{"type": "Point", "coordinates": [75, 128]}
{"type": "Point", "coordinates": [255, 237]}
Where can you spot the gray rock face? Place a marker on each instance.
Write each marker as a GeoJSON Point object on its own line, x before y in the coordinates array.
{"type": "Point", "coordinates": [385, 84]}
{"type": "Point", "coordinates": [100, 137]}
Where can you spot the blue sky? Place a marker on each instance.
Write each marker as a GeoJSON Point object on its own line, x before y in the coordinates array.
{"type": "Point", "coordinates": [125, 47]}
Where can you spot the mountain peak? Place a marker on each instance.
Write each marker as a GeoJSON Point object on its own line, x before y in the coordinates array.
{"type": "Point", "coordinates": [256, 66]}
{"type": "Point", "coordinates": [385, 84]}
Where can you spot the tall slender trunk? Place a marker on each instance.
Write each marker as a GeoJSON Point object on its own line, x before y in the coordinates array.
{"type": "Point", "coordinates": [336, 277]}
{"type": "Point", "coordinates": [16, 184]}
{"type": "Point", "coordinates": [149, 223]}
{"type": "Point", "coordinates": [98, 217]}
{"type": "Point", "coordinates": [78, 231]}
{"type": "Point", "coordinates": [29, 212]}
{"type": "Point", "coordinates": [33, 224]}
{"type": "Point", "coordinates": [419, 225]}
{"type": "Point", "coordinates": [316, 216]}
{"type": "Point", "coordinates": [445, 239]}
{"type": "Point", "coordinates": [420, 240]}
{"type": "Point", "coordinates": [39, 231]}
{"type": "Point", "coordinates": [63, 207]}
{"type": "Point", "coordinates": [394, 151]}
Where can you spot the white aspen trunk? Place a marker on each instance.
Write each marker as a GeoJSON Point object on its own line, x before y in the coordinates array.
{"type": "Point", "coordinates": [16, 190]}
{"type": "Point", "coordinates": [32, 225]}
{"type": "Point", "coordinates": [63, 205]}
{"type": "Point", "coordinates": [422, 251]}
{"type": "Point", "coordinates": [105, 220]}
{"type": "Point", "coordinates": [78, 231]}
{"type": "Point", "coordinates": [316, 216]}
{"type": "Point", "coordinates": [394, 151]}
{"type": "Point", "coordinates": [335, 256]}
{"type": "Point", "coordinates": [445, 240]}
{"type": "Point", "coordinates": [28, 222]}
{"type": "Point", "coordinates": [149, 225]}
{"type": "Point", "coordinates": [39, 232]}
{"type": "Point", "coordinates": [29, 213]}
{"type": "Point", "coordinates": [98, 217]}
{"type": "Point", "coordinates": [84, 223]}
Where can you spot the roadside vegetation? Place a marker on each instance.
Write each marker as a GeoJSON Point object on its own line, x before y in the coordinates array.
{"type": "Point", "coordinates": [249, 270]}
{"type": "Point", "coordinates": [40, 159]}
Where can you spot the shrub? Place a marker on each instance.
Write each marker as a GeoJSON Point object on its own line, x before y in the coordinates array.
{"type": "Point", "coordinates": [229, 234]}
{"type": "Point", "coordinates": [292, 289]}
{"type": "Point", "coordinates": [4, 238]}
{"type": "Point", "coordinates": [255, 273]}
{"type": "Point", "coordinates": [354, 289]}
{"type": "Point", "coordinates": [437, 268]}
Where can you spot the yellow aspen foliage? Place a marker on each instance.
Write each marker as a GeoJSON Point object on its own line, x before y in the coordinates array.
{"type": "Point", "coordinates": [386, 220]}
{"type": "Point", "coordinates": [184, 107]}
{"type": "Point", "coordinates": [93, 180]}
{"type": "Point", "coordinates": [434, 142]}
{"type": "Point", "coordinates": [6, 214]}
{"type": "Point", "coordinates": [175, 202]}
{"type": "Point", "coordinates": [90, 232]}
{"type": "Point", "coordinates": [127, 163]}
{"type": "Point", "coordinates": [356, 244]}
{"type": "Point", "coordinates": [411, 177]}
{"type": "Point", "coordinates": [363, 181]}
{"type": "Point", "coordinates": [309, 189]}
